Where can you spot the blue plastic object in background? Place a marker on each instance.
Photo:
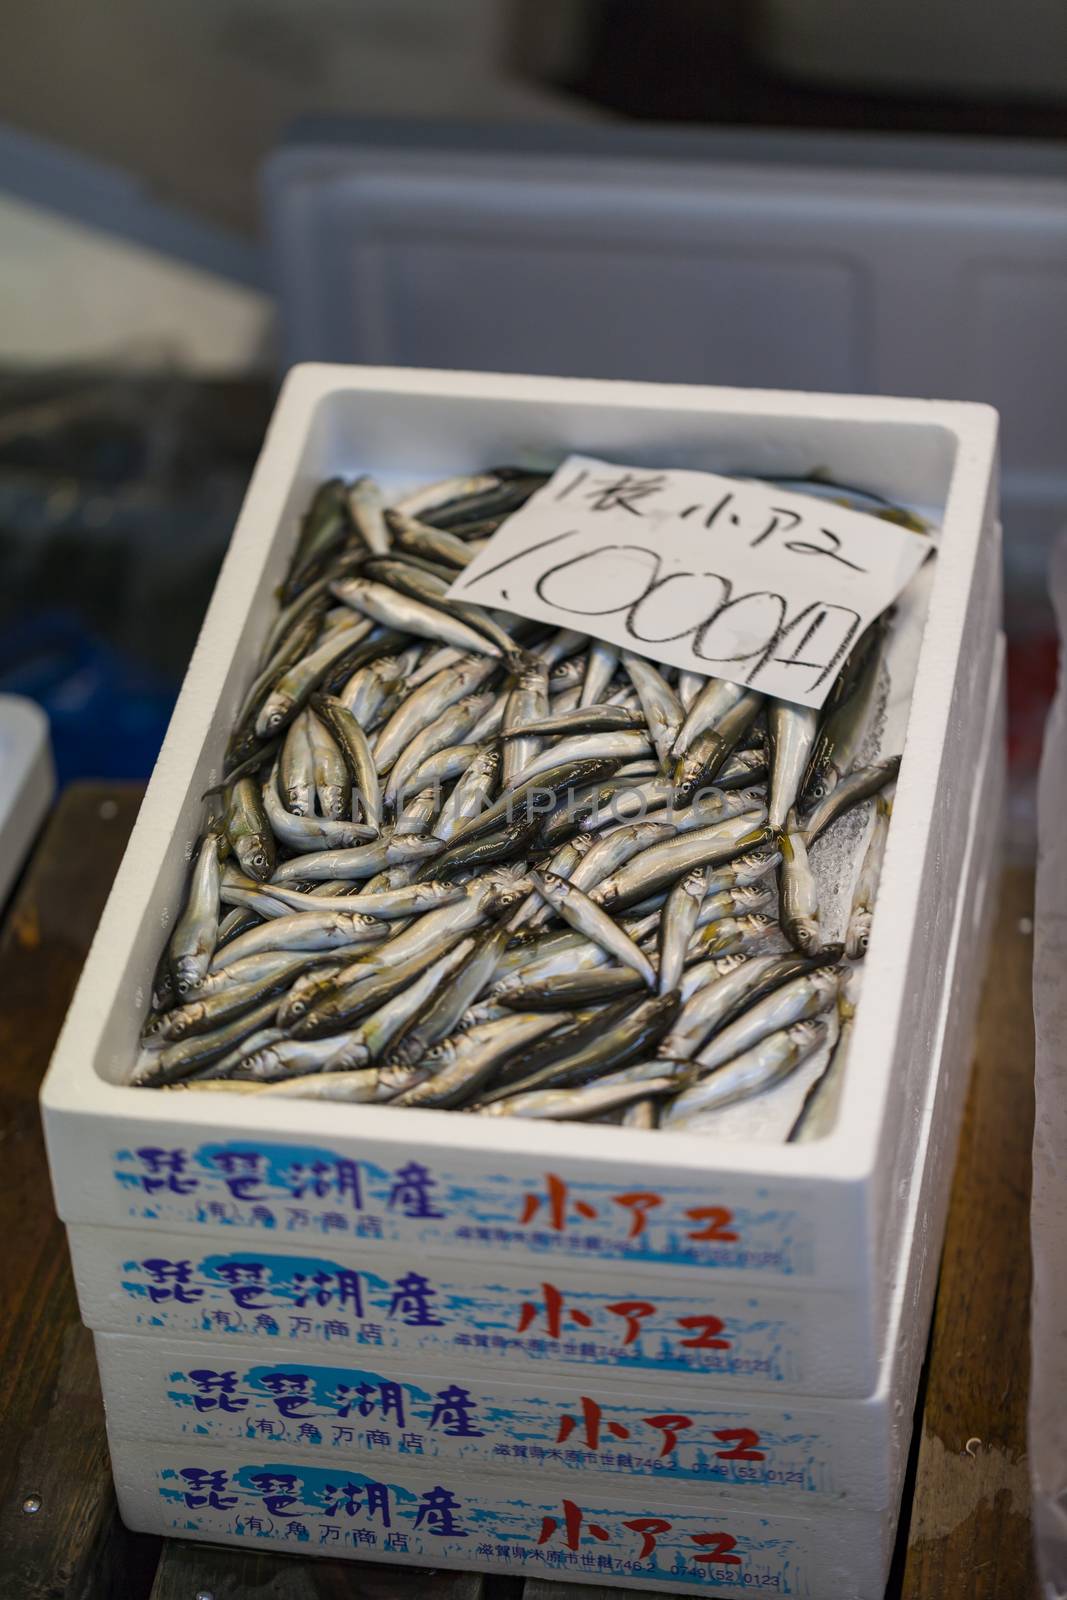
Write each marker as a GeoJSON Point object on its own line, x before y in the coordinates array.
{"type": "Point", "coordinates": [107, 715]}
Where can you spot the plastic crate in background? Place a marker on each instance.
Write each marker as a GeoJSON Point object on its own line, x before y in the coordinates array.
{"type": "Point", "coordinates": [849, 263]}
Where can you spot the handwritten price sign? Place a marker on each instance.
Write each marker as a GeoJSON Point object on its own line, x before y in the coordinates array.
{"type": "Point", "coordinates": [711, 574]}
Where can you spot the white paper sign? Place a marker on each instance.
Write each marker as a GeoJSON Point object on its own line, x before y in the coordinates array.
{"type": "Point", "coordinates": [714, 575]}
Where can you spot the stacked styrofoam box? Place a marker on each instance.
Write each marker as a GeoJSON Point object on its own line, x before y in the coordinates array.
{"type": "Point", "coordinates": [329, 1329]}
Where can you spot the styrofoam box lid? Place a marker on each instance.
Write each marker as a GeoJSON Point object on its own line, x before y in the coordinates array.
{"type": "Point", "coordinates": [842, 263]}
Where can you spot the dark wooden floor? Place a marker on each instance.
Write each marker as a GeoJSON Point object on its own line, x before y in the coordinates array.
{"type": "Point", "coordinates": [965, 1533]}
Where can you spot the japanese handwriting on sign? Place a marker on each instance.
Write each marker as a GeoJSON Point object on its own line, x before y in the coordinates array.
{"type": "Point", "coordinates": [639, 1206]}
{"type": "Point", "coordinates": [710, 574]}
{"type": "Point", "coordinates": [624, 491]}
{"type": "Point", "coordinates": [704, 1330]}
{"type": "Point", "coordinates": [714, 1547]}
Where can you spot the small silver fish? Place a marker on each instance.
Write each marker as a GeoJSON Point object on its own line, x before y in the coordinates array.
{"type": "Point", "coordinates": [863, 896]}
{"type": "Point", "coordinates": [798, 895]}
{"type": "Point", "coordinates": [765, 1064]}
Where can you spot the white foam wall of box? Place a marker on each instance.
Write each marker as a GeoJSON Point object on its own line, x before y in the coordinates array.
{"type": "Point", "coordinates": [496, 1525]}
{"type": "Point", "coordinates": [812, 1453]}
{"type": "Point", "coordinates": [822, 1216]}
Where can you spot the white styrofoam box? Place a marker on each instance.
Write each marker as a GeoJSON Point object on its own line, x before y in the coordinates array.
{"type": "Point", "coordinates": [449, 1310]}
{"type": "Point", "coordinates": [337, 1407]}
{"type": "Point", "coordinates": [427, 1184]}
{"type": "Point", "coordinates": [440, 1516]}
{"type": "Point", "coordinates": [850, 1452]}
{"type": "Point", "coordinates": [892, 266]}
{"type": "Point", "coordinates": [27, 782]}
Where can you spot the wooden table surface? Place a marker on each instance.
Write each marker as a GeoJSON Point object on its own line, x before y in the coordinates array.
{"type": "Point", "coordinates": [965, 1527]}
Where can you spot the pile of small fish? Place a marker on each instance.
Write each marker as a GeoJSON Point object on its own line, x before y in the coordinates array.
{"type": "Point", "coordinates": [470, 861]}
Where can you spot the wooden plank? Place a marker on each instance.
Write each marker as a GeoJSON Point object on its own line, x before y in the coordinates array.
{"type": "Point", "coordinates": [188, 1570]}
{"type": "Point", "coordinates": [55, 1453]}
{"type": "Point", "coordinates": [970, 1523]}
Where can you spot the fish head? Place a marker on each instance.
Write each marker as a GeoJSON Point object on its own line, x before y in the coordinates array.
{"type": "Point", "coordinates": [753, 865]}
{"type": "Point", "coordinates": [662, 1007]}
{"type": "Point", "coordinates": [528, 673]}
{"type": "Point", "coordinates": [413, 847]}
{"type": "Point", "coordinates": [275, 714]}
{"type": "Point", "coordinates": [818, 786]}
{"type": "Point", "coordinates": [749, 897]}
{"type": "Point", "coordinates": [440, 1055]}
{"type": "Point", "coordinates": [686, 781]}
{"type": "Point", "coordinates": [859, 933]}
{"type": "Point", "coordinates": [513, 984]}
{"type": "Point", "coordinates": [186, 975]}
{"type": "Point", "coordinates": [825, 981]}
{"type": "Point", "coordinates": [808, 1035]}
{"type": "Point", "coordinates": [498, 889]}
{"type": "Point", "coordinates": [163, 990]}
{"type": "Point", "coordinates": [255, 856]}
{"type": "Point", "coordinates": [349, 1058]}
{"type": "Point", "coordinates": [804, 932]}
{"type": "Point", "coordinates": [432, 893]}
{"type": "Point", "coordinates": [261, 1064]}
{"type": "Point", "coordinates": [300, 1000]}
{"type": "Point", "coordinates": [725, 964]}
{"type": "Point", "coordinates": [179, 1023]}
